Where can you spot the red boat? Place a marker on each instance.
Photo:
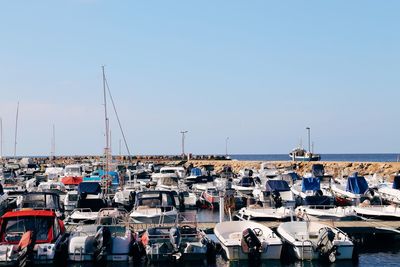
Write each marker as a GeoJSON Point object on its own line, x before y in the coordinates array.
{"type": "Point", "coordinates": [71, 182]}
{"type": "Point", "coordinates": [31, 236]}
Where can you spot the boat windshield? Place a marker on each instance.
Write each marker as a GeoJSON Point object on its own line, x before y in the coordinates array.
{"type": "Point", "coordinates": [40, 201]}
{"type": "Point", "coordinates": [14, 228]}
{"type": "Point", "coordinates": [73, 197]}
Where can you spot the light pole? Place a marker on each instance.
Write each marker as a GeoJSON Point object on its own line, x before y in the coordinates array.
{"type": "Point", "coordinates": [226, 147]}
{"type": "Point", "coordinates": [220, 185]}
{"type": "Point", "coordinates": [183, 143]}
{"type": "Point", "coordinates": [309, 139]}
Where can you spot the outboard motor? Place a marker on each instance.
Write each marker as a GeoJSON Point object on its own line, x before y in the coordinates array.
{"type": "Point", "coordinates": [251, 245]}
{"type": "Point", "coordinates": [102, 244]}
{"type": "Point", "coordinates": [175, 239]}
{"type": "Point", "coordinates": [276, 196]}
{"type": "Point", "coordinates": [327, 250]}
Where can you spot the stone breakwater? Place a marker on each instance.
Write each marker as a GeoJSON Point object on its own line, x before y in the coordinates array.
{"type": "Point", "coordinates": [383, 169]}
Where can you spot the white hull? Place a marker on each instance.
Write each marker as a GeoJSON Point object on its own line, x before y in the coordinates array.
{"type": "Point", "coordinates": [302, 237]}
{"type": "Point", "coordinates": [230, 234]}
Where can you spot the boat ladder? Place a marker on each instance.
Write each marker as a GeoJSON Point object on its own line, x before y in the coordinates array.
{"type": "Point", "coordinates": [307, 247]}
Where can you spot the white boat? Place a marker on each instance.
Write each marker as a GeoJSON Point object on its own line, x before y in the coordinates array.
{"type": "Point", "coordinates": [154, 207]}
{"type": "Point", "coordinates": [70, 201]}
{"type": "Point", "coordinates": [106, 240]}
{"type": "Point", "coordinates": [300, 154]}
{"type": "Point", "coordinates": [355, 189]}
{"type": "Point", "coordinates": [246, 185]}
{"type": "Point", "coordinates": [183, 195]}
{"type": "Point", "coordinates": [243, 240]}
{"type": "Point", "coordinates": [168, 171]}
{"type": "Point", "coordinates": [258, 213]}
{"type": "Point", "coordinates": [332, 213]}
{"type": "Point", "coordinates": [309, 192]}
{"type": "Point", "coordinates": [390, 192]}
{"type": "Point", "coordinates": [309, 240]}
{"type": "Point", "coordinates": [380, 212]}
{"type": "Point", "coordinates": [177, 243]}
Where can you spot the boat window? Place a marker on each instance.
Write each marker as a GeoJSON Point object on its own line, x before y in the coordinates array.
{"type": "Point", "coordinates": [73, 197]}
{"type": "Point", "coordinates": [168, 171]}
{"type": "Point", "coordinates": [167, 200]}
{"type": "Point", "coordinates": [40, 201]}
{"type": "Point", "coordinates": [16, 227]}
{"type": "Point", "coordinates": [150, 202]}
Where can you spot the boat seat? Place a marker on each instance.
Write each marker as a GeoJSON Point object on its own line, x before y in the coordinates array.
{"type": "Point", "coordinates": [237, 235]}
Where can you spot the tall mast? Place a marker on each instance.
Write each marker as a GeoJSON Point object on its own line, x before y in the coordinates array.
{"type": "Point", "coordinates": [106, 150]}
{"type": "Point", "coordinates": [16, 131]}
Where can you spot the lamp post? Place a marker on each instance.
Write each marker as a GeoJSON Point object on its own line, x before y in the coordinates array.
{"type": "Point", "coordinates": [183, 143]}
{"type": "Point", "coordinates": [309, 139]}
{"type": "Point", "coordinates": [220, 185]}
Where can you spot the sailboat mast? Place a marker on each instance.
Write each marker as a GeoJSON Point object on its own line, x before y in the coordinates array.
{"type": "Point", "coordinates": [106, 150]}
{"type": "Point", "coordinates": [16, 131]}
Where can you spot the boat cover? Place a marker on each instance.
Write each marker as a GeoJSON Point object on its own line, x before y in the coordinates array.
{"type": "Point", "coordinates": [195, 172]}
{"type": "Point", "coordinates": [246, 182]}
{"type": "Point", "coordinates": [89, 188]}
{"type": "Point", "coordinates": [71, 180]}
{"type": "Point", "coordinates": [310, 184]}
{"type": "Point", "coordinates": [396, 182]}
{"type": "Point", "coordinates": [356, 184]}
{"type": "Point", "coordinates": [277, 185]}
{"type": "Point", "coordinates": [317, 170]}
{"type": "Point", "coordinates": [98, 175]}
{"type": "Point", "coordinates": [29, 212]}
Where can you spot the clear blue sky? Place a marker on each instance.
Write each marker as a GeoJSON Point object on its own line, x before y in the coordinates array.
{"type": "Point", "coordinates": [256, 71]}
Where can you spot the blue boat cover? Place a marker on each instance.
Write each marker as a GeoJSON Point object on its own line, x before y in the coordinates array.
{"type": "Point", "coordinates": [396, 182]}
{"type": "Point", "coordinates": [97, 175]}
{"type": "Point", "coordinates": [89, 188]}
{"type": "Point", "coordinates": [246, 182]}
{"type": "Point", "coordinates": [294, 176]}
{"type": "Point", "coordinates": [356, 184]}
{"type": "Point", "coordinates": [318, 170]}
{"type": "Point", "coordinates": [310, 184]}
{"type": "Point", "coordinates": [195, 172]}
{"type": "Point", "coordinates": [277, 185]}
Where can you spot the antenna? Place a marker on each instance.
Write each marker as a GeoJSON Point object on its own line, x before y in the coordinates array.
{"type": "Point", "coordinates": [16, 131]}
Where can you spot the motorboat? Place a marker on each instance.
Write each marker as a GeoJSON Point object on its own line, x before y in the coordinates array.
{"type": "Point", "coordinates": [268, 170]}
{"type": "Point", "coordinates": [390, 194]}
{"type": "Point", "coordinates": [71, 182]}
{"type": "Point", "coordinates": [177, 243]}
{"type": "Point", "coordinates": [169, 171]}
{"type": "Point", "coordinates": [379, 212]}
{"type": "Point", "coordinates": [70, 201]}
{"type": "Point", "coordinates": [309, 240]}
{"type": "Point", "coordinates": [248, 240]}
{"type": "Point", "coordinates": [356, 189]}
{"type": "Point", "coordinates": [41, 200]}
{"type": "Point", "coordinates": [73, 170]}
{"type": "Point", "coordinates": [109, 239]}
{"type": "Point", "coordinates": [276, 193]}
{"type": "Point", "coordinates": [125, 196]}
{"type": "Point", "coordinates": [331, 213]}
{"type": "Point", "coordinates": [246, 185]}
{"type": "Point", "coordinates": [183, 196]}
{"type": "Point", "coordinates": [300, 154]}
{"type": "Point", "coordinates": [4, 201]}
{"type": "Point", "coordinates": [53, 187]}
{"type": "Point", "coordinates": [197, 176]}
{"type": "Point", "coordinates": [308, 191]}
{"type": "Point", "coordinates": [90, 201]}
{"type": "Point", "coordinates": [31, 235]}
{"type": "Point", "coordinates": [262, 213]}
{"type": "Point", "coordinates": [154, 207]}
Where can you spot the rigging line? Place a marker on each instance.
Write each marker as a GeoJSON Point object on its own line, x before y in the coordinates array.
{"type": "Point", "coordinates": [119, 122]}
